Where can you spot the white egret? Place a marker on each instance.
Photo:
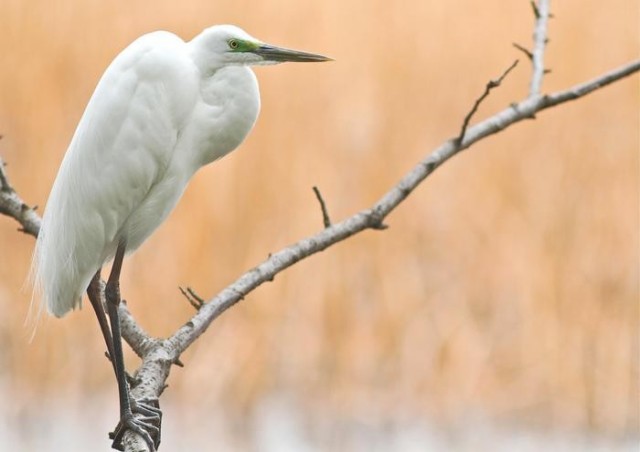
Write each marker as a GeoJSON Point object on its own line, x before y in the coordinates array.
{"type": "Point", "coordinates": [163, 109]}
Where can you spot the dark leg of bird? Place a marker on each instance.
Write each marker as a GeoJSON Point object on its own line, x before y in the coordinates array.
{"type": "Point", "coordinates": [93, 292]}
{"type": "Point", "coordinates": [146, 407]}
{"type": "Point", "coordinates": [149, 425]}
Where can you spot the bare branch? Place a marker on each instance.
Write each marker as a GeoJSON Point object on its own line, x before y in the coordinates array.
{"type": "Point", "coordinates": [138, 339]}
{"type": "Point", "coordinates": [490, 85]}
{"type": "Point", "coordinates": [369, 218]}
{"type": "Point", "coordinates": [325, 214]}
{"type": "Point", "coordinates": [577, 91]}
{"type": "Point", "coordinates": [541, 12]}
{"type": "Point", "coordinates": [151, 377]}
{"type": "Point", "coordinates": [13, 206]}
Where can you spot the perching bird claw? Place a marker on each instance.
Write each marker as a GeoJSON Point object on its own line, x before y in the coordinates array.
{"type": "Point", "coordinates": [147, 426]}
{"type": "Point", "coordinates": [147, 407]}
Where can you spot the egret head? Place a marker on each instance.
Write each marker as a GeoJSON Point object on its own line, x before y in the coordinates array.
{"type": "Point", "coordinates": [228, 45]}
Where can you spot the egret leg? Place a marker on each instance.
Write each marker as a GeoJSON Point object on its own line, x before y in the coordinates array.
{"type": "Point", "coordinates": [145, 427]}
{"type": "Point", "coordinates": [93, 292]}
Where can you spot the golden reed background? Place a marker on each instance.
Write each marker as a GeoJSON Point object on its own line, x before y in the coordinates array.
{"type": "Point", "coordinates": [507, 285]}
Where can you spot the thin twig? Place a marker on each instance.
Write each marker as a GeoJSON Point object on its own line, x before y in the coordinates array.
{"type": "Point", "coordinates": [536, 11]}
{"type": "Point", "coordinates": [540, 40]}
{"type": "Point", "coordinates": [195, 296]}
{"type": "Point", "coordinates": [490, 85]}
{"type": "Point", "coordinates": [524, 50]}
{"type": "Point", "coordinates": [194, 299]}
{"type": "Point", "coordinates": [325, 214]}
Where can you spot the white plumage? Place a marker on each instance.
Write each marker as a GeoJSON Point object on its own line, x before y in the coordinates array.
{"type": "Point", "coordinates": [162, 109]}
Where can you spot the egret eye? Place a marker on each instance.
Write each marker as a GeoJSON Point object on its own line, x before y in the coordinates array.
{"type": "Point", "coordinates": [233, 44]}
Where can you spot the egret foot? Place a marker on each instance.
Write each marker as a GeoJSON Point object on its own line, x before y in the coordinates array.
{"type": "Point", "coordinates": [147, 426]}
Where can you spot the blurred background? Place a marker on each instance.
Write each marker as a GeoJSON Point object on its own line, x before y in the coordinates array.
{"type": "Point", "coordinates": [500, 309]}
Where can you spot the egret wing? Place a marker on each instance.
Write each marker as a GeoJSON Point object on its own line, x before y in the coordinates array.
{"type": "Point", "coordinates": [121, 149]}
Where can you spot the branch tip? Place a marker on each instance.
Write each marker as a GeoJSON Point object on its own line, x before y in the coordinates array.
{"type": "Point", "coordinates": [490, 85]}
{"type": "Point", "coordinates": [198, 298]}
{"type": "Point", "coordinates": [524, 50]}
{"type": "Point", "coordinates": [193, 298]}
{"type": "Point", "coordinates": [536, 11]}
{"type": "Point", "coordinates": [326, 221]}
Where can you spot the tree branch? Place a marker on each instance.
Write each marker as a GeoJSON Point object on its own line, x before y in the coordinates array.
{"type": "Point", "coordinates": [13, 206]}
{"type": "Point", "coordinates": [138, 339]}
{"type": "Point", "coordinates": [541, 13]}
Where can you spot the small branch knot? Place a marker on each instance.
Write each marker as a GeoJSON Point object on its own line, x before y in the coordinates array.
{"type": "Point", "coordinates": [376, 220]}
